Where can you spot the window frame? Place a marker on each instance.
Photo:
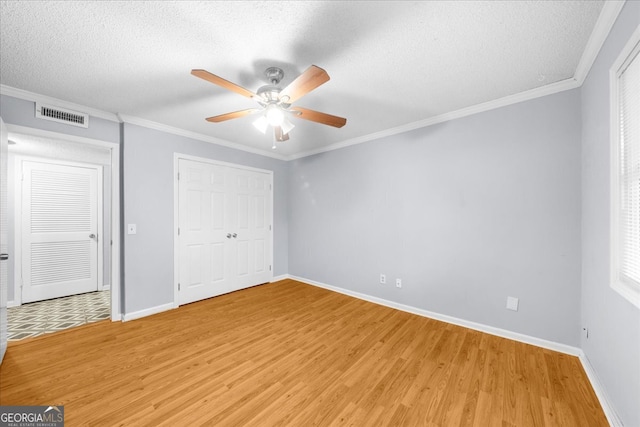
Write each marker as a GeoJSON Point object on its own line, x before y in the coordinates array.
{"type": "Point", "coordinates": [630, 291]}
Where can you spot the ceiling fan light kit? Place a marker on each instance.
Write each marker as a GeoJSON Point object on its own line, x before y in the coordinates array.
{"type": "Point", "coordinates": [275, 103]}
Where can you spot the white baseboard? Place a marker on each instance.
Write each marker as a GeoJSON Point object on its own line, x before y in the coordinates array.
{"type": "Point", "coordinates": [527, 339]}
{"type": "Point", "coordinates": [280, 277]}
{"type": "Point", "coordinates": [12, 304]}
{"type": "Point", "coordinates": [602, 395]}
{"type": "Point", "coordinates": [148, 312]}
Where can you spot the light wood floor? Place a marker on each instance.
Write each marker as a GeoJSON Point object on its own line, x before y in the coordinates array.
{"type": "Point", "coordinates": [287, 353]}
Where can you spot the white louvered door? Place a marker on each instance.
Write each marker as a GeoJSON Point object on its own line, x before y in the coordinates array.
{"type": "Point", "coordinates": [59, 230]}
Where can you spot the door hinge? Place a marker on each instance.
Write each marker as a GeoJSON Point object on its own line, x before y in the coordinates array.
{"type": "Point", "coordinates": [178, 176]}
{"type": "Point", "coordinates": [269, 227]}
{"type": "Point", "coordinates": [178, 286]}
{"type": "Point", "coordinates": [178, 231]}
{"type": "Point", "coordinates": [269, 268]}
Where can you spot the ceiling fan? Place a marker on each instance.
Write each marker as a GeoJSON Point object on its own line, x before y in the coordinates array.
{"type": "Point", "coordinates": [275, 103]}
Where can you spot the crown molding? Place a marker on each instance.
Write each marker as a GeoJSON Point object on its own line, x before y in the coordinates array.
{"type": "Point", "coordinates": [607, 18]}
{"type": "Point", "coordinates": [608, 15]}
{"type": "Point", "coordinates": [475, 109]}
{"type": "Point", "coordinates": [197, 136]}
{"type": "Point", "coordinates": [36, 97]}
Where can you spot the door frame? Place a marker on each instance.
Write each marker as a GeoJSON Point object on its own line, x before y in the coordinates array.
{"type": "Point", "coordinates": [114, 149]}
{"type": "Point", "coordinates": [176, 207]}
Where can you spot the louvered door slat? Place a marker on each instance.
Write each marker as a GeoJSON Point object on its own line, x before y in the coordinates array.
{"type": "Point", "coordinates": [59, 216]}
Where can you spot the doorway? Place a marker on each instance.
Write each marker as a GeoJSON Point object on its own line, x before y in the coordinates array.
{"type": "Point", "coordinates": [64, 208]}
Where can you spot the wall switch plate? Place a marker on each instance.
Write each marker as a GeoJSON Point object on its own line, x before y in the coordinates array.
{"type": "Point", "coordinates": [383, 279]}
{"type": "Point", "coordinates": [131, 229]}
{"type": "Point", "coordinates": [512, 303]}
{"type": "Point", "coordinates": [398, 283]}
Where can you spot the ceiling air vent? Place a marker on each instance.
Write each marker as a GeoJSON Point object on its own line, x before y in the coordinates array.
{"type": "Point", "coordinates": [62, 115]}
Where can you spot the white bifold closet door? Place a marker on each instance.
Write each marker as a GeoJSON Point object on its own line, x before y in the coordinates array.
{"type": "Point", "coordinates": [59, 230]}
{"type": "Point", "coordinates": [224, 229]}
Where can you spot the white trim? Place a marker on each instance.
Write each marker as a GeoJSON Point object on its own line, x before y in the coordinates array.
{"type": "Point", "coordinates": [12, 304]}
{"type": "Point", "coordinates": [176, 225]}
{"type": "Point", "coordinates": [60, 136]}
{"type": "Point", "coordinates": [148, 312]}
{"type": "Point", "coordinates": [628, 291]}
{"type": "Point", "coordinates": [198, 136]}
{"type": "Point", "coordinates": [549, 89]}
{"type": "Point", "coordinates": [115, 203]}
{"type": "Point", "coordinates": [35, 97]}
{"type": "Point", "coordinates": [527, 339]}
{"type": "Point", "coordinates": [600, 391]}
{"type": "Point", "coordinates": [176, 209]}
{"type": "Point", "coordinates": [608, 15]}
{"type": "Point", "coordinates": [219, 163]}
{"type": "Point", "coordinates": [280, 277]}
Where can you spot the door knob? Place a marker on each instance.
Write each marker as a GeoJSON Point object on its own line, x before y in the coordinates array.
{"type": "Point", "coordinates": [92, 236]}
{"type": "Point", "coordinates": [235, 235]}
{"type": "Point", "coordinates": [228, 235]}
{"type": "Point", "coordinates": [4, 257]}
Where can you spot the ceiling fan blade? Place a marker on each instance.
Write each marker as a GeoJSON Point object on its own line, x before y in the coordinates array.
{"type": "Point", "coordinates": [304, 83]}
{"type": "Point", "coordinates": [316, 116]}
{"type": "Point", "coordinates": [229, 116]}
{"type": "Point", "coordinates": [212, 78]}
{"type": "Point", "coordinates": [277, 130]}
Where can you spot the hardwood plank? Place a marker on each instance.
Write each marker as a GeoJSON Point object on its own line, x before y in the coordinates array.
{"type": "Point", "coordinates": [287, 353]}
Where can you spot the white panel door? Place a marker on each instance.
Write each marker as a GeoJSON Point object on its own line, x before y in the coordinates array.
{"type": "Point", "coordinates": [204, 259]}
{"type": "Point", "coordinates": [59, 230]}
{"type": "Point", "coordinates": [251, 198]}
{"type": "Point", "coordinates": [224, 229]}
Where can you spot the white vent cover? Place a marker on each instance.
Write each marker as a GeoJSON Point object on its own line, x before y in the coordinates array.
{"type": "Point", "coordinates": [62, 115]}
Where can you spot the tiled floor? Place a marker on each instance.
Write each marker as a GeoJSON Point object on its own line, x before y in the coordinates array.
{"type": "Point", "coordinates": [37, 318]}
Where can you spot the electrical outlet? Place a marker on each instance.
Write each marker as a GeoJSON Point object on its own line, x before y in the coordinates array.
{"type": "Point", "coordinates": [398, 283]}
{"type": "Point", "coordinates": [512, 303]}
{"type": "Point", "coordinates": [383, 279]}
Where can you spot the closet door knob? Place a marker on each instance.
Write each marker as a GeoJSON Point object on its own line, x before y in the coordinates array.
{"type": "Point", "coordinates": [235, 235]}
{"type": "Point", "coordinates": [228, 235]}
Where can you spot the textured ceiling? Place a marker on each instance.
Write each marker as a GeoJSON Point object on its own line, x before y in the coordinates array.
{"type": "Point", "coordinates": [392, 63]}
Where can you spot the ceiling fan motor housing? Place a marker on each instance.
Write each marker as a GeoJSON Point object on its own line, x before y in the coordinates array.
{"type": "Point", "coordinates": [271, 95]}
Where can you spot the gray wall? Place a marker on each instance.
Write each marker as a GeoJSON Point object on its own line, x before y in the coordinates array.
{"type": "Point", "coordinates": [466, 212]}
{"type": "Point", "coordinates": [148, 202]}
{"type": "Point", "coordinates": [613, 346]}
